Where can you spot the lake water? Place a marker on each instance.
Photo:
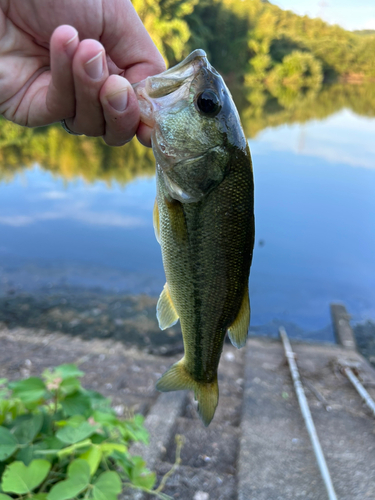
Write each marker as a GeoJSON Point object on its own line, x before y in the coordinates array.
{"type": "Point", "coordinates": [315, 237]}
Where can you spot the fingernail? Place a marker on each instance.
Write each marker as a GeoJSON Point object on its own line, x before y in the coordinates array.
{"type": "Point", "coordinates": [94, 67]}
{"type": "Point", "coordinates": [119, 100]}
{"type": "Point", "coordinates": [70, 46]}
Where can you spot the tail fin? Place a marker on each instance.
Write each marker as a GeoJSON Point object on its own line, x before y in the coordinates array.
{"type": "Point", "coordinates": [177, 378]}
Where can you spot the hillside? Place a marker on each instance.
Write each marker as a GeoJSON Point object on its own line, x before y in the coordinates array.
{"type": "Point", "coordinates": [254, 37]}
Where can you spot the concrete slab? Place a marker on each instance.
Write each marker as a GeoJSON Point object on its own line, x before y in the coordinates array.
{"type": "Point", "coordinates": [276, 460]}
{"type": "Point", "coordinates": [161, 425]}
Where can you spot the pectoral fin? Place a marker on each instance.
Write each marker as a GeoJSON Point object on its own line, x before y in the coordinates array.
{"type": "Point", "coordinates": [238, 330]}
{"type": "Point", "coordinates": [156, 220]}
{"type": "Point", "coordinates": [165, 310]}
{"type": "Point", "coordinates": [177, 378]}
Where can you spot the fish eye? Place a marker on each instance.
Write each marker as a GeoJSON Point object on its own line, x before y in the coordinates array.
{"type": "Point", "coordinates": [208, 103]}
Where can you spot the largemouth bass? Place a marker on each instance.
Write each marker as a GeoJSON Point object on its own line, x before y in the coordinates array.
{"type": "Point", "coordinates": [203, 219]}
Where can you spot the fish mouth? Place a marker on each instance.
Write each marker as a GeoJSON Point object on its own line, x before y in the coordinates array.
{"type": "Point", "coordinates": [151, 91]}
{"type": "Point", "coordinates": [170, 80]}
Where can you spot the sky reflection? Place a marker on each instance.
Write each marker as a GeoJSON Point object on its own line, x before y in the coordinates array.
{"type": "Point", "coordinates": [343, 138]}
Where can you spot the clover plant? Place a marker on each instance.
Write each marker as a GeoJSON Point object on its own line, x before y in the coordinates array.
{"type": "Point", "coordinates": [59, 441]}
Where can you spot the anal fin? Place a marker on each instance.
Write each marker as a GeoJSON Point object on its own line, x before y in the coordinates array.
{"type": "Point", "coordinates": [165, 311]}
{"type": "Point", "coordinates": [237, 331]}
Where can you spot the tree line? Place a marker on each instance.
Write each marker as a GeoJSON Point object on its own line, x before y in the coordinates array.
{"type": "Point", "coordinates": [249, 40]}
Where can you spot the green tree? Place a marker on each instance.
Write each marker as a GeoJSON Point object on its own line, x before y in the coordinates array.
{"type": "Point", "coordinates": [299, 74]}
{"type": "Point", "coordinates": [166, 23]}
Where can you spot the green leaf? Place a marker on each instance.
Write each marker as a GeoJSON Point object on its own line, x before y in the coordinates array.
{"type": "Point", "coordinates": [92, 456]}
{"type": "Point", "coordinates": [109, 448]}
{"type": "Point", "coordinates": [70, 385]}
{"type": "Point", "coordinates": [105, 418]}
{"type": "Point", "coordinates": [139, 466]}
{"type": "Point", "coordinates": [52, 443]}
{"type": "Point", "coordinates": [28, 453]}
{"type": "Point", "coordinates": [4, 497]}
{"type": "Point", "coordinates": [140, 476]}
{"type": "Point", "coordinates": [146, 480]}
{"type": "Point", "coordinates": [30, 390]}
{"type": "Point", "coordinates": [107, 486]}
{"type": "Point", "coordinates": [10, 408]}
{"type": "Point", "coordinates": [38, 496]}
{"type": "Point", "coordinates": [68, 371]}
{"type": "Point", "coordinates": [8, 444]}
{"type": "Point", "coordinates": [72, 448]}
{"type": "Point", "coordinates": [98, 438]}
{"type": "Point", "coordinates": [134, 429]}
{"type": "Point", "coordinates": [48, 423]}
{"type": "Point", "coordinates": [74, 421]}
{"type": "Point", "coordinates": [3, 381]}
{"type": "Point", "coordinates": [18, 478]}
{"type": "Point", "coordinates": [98, 401]}
{"type": "Point", "coordinates": [71, 435]}
{"type": "Point", "coordinates": [25, 455]}
{"type": "Point", "coordinates": [27, 427]}
{"type": "Point", "coordinates": [123, 460]}
{"type": "Point", "coordinates": [78, 480]}
{"type": "Point", "coordinates": [48, 447]}
{"type": "Point", "coordinates": [138, 420]}
{"type": "Point", "coordinates": [76, 404]}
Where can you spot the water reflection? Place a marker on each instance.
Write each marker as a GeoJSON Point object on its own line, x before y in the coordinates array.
{"type": "Point", "coordinates": [89, 158]}
{"type": "Point", "coordinates": [315, 216]}
{"type": "Point", "coordinates": [69, 156]}
{"type": "Point", "coordinates": [341, 138]}
{"type": "Point", "coordinates": [74, 212]}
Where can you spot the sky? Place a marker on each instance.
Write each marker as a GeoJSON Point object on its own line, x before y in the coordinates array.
{"type": "Point", "coordinates": [350, 14]}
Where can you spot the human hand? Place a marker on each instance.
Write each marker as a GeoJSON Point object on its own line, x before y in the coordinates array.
{"type": "Point", "coordinates": [53, 66]}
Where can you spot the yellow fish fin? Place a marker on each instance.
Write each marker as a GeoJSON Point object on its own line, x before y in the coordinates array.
{"type": "Point", "coordinates": [177, 378]}
{"type": "Point", "coordinates": [156, 221]}
{"type": "Point", "coordinates": [165, 311]}
{"type": "Point", "coordinates": [238, 329]}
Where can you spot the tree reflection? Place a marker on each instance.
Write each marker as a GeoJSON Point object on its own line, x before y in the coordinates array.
{"type": "Point", "coordinates": [70, 156]}
{"type": "Point", "coordinates": [260, 107]}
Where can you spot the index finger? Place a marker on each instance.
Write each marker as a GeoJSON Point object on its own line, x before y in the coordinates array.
{"type": "Point", "coordinates": [128, 43]}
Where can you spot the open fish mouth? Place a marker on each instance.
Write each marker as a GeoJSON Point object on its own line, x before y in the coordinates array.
{"type": "Point", "coordinates": [154, 90]}
{"type": "Point", "coordinates": [170, 80]}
